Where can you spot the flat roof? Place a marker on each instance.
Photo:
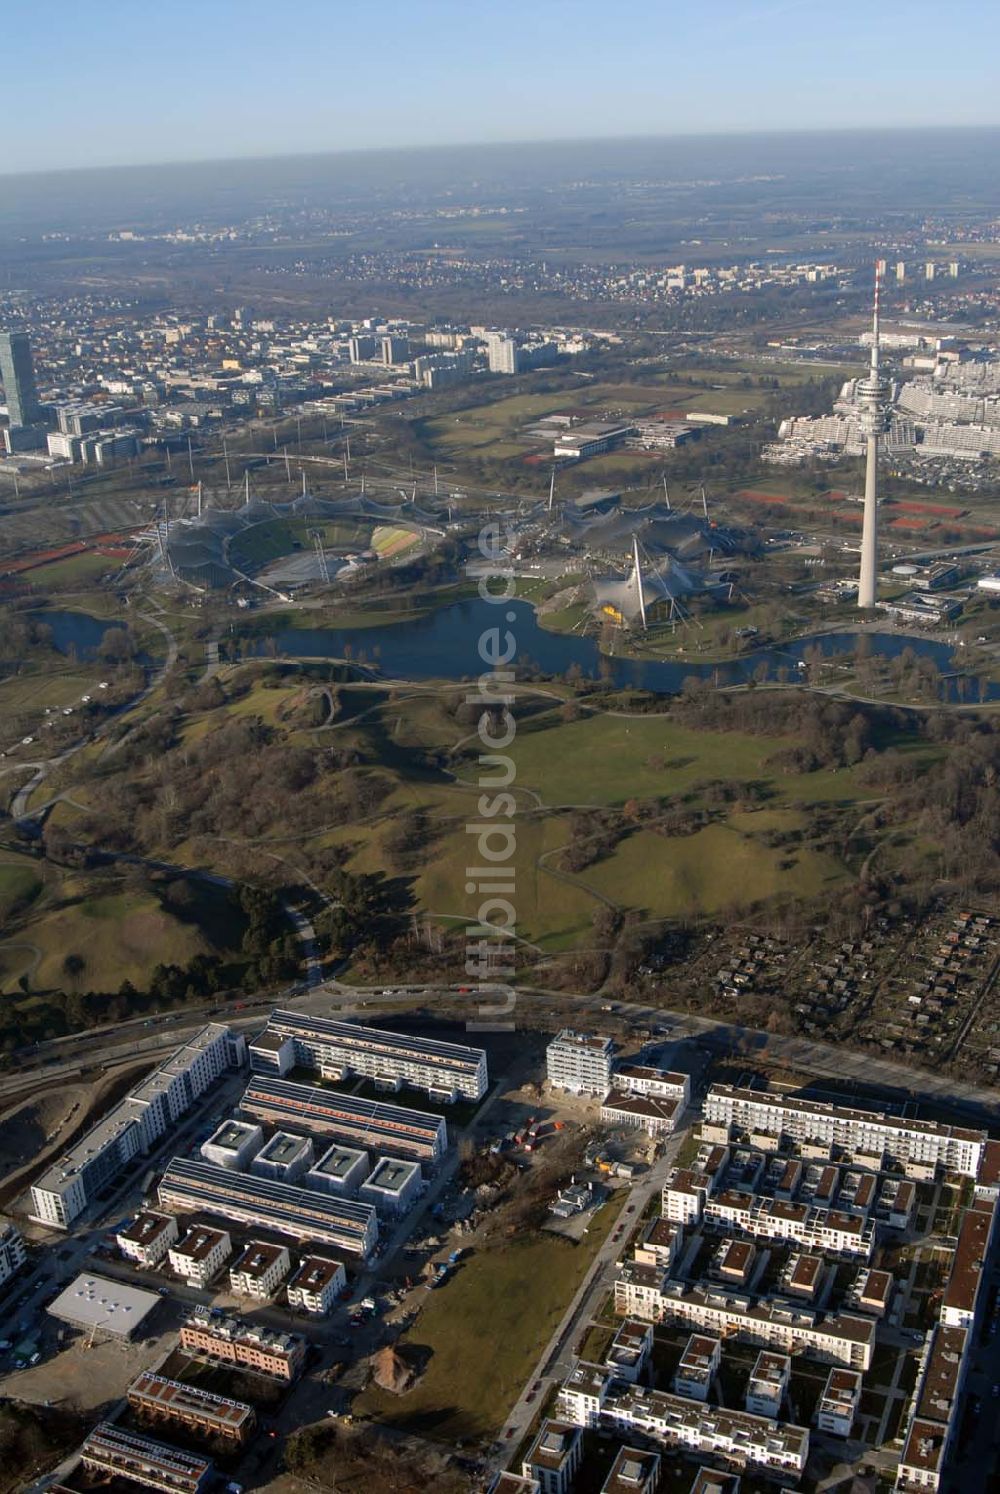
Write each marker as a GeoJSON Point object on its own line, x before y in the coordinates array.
{"type": "Point", "coordinates": [376, 1039]}
{"type": "Point", "coordinates": [232, 1134]}
{"type": "Point", "coordinates": [284, 1146]}
{"type": "Point", "coordinates": [970, 1254]}
{"type": "Point", "coordinates": [631, 1470]}
{"type": "Point", "coordinates": [189, 1400]}
{"type": "Point", "coordinates": [337, 1161]}
{"type": "Point", "coordinates": [300, 1212]}
{"type": "Point", "coordinates": [391, 1174]}
{"type": "Point", "coordinates": [147, 1225]}
{"type": "Point", "coordinates": [315, 1272]}
{"type": "Point", "coordinates": [198, 1241]}
{"type": "Point", "coordinates": [744, 1096]}
{"type": "Point", "coordinates": [257, 1257]}
{"type": "Point", "coordinates": [650, 1107]}
{"type": "Point", "coordinates": [96, 1302]}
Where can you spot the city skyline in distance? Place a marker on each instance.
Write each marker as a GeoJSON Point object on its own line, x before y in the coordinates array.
{"type": "Point", "coordinates": [243, 86]}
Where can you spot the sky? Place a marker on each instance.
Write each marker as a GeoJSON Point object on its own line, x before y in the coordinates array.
{"type": "Point", "coordinates": [117, 82]}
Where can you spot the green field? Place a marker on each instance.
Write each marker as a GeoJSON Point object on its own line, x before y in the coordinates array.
{"type": "Point", "coordinates": [473, 1378]}
{"type": "Point", "coordinates": [75, 571]}
{"type": "Point", "coordinates": [20, 882]}
{"type": "Point", "coordinates": [261, 543]}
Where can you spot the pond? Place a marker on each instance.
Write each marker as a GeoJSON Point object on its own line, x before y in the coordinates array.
{"type": "Point", "coordinates": [444, 646]}
{"type": "Point", "coordinates": [81, 632]}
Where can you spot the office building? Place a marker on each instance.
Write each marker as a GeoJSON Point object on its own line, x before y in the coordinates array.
{"type": "Point", "coordinates": [12, 1252]}
{"type": "Point", "coordinates": [341, 1169]}
{"type": "Point", "coordinates": [344, 1050]}
{"type": "Point", "coordinates": [233, 1145]}
{"type": "Point", "coordinates": [148, 1238]}
{"type": "Point", "coordinates": [838, 1404]}
{"type": "Point", "coordinates": [698, 1367]}
{"type": "Point", "coordinates": [768, 1383]}
{"type": "Point", "coordinates": [393, 1186]}
{"type": "Point", "coordinates": [200, 1254]}
{"type": "Point", "coordinates": [580, 1062]}
{"type": "Point", "coordinates": [920, 1145]}
{"type": "Point", "coordinates": [259, 1271]}
{"type": "Point", "coordinates": [113, 1453]}
{"type": "Point", "coordinates": [316, 1285]}
{"type": "Point", "coordinates": [169, 1402]}
{"type": "Point", "coordinates": [132, 1128]}
{"type": "Point", "coordinates": [17, 374]}
{"type": "Point", "coordinates": [554, 1457]}
{"type": "Point", "coordinates": [285, 1158]}
{"type": "Point", "coordinates": [230, 1340]}
{"type": "Point", "coordinates": [373, 1125]}
{"type": "Point", "coordinates": [284, 1208]}
{"type": "Point", "coordinates": [634, 1471]}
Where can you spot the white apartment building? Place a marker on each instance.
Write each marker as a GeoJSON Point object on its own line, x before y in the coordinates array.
{"type": "Point", "coordinates": [129, 1130]}
{"type": "Point", "coordinates": [869, 1133]}
{"type": "Point", "coordinates": [934, 1411]}
{"type": "Point", "coordinates": [657, 1115]}
{"type": "Point", "coordinates": [698, 1367]}
{"type": "Point", "coordinates": [828, 1230]}
{"type": "Point", "coordinates": [341, 1050]}
{"type": "Point", "coordinates": [961, 1295]}
{"type": "Point", "coordinates": [234, 1145]}
{"type": "Point", "coordinates": [684, 1194]}
{"type": "Point", "coordinates": [392, 1187]}
{"type": "Point", "coordinates": [148, 1238]}
{"type": "Point", "coordinates": [660, 1243]}
{"type": "Point", "coordinates": [259, 1271]}
{"type": "Point", "coordinates": [502, 353]}
{"type": "Point", "coordinates": [285, 1157]}
{"type": "Point", "coordinates": [12, 1252]}
{"type": "Point", "coordinates": [582, 1393]}
{"type": "Point", "coordinates": [645, 1079]}
{"type": "Point", "coordinates": [754, 1441]}
{"type": "Point", "coordinates": [629, 1350]}
{"type": "Point", "coordinates": [200, 1255]}
{"type": "Point", "coordinates": [768, 1383]}
{"type": "Point", "coordinates": [634, 1471]}
{"type": "Point", "coordinates": [554, 1457]}
{"type": "Point", "coordinates": [838, 1404]}
{"type": "Point", "coordinates": [580, 1062]}
{"type": "Point", "coordinates": [316, 1285]}
{"type": "Point", "coordinates": [843, 1338]}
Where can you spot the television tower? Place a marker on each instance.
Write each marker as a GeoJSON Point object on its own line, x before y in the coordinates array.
{"type": "Point", "coordinates": [873, 398]}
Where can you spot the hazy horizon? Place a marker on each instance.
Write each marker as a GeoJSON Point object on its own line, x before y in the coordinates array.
{"type": "Point", "coordinates": [217, 80]}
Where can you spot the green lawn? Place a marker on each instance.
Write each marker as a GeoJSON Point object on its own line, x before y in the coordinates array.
{"type": "Point", "coordinates": [715, 869]}
{"type": "Point", "coordinates": [485, 1329]}
{"type": "Point", "coordinates": [19, 883]}
{"type": "Point", "coordinates": [603, 759]}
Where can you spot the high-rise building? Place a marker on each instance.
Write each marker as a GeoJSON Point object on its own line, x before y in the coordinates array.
{"type": "Point", "coordinates": [873, 402]}
{"type": "Point", "coordinates": [395, 349]}
{"type": "Point", "coordinates": [17, 372]}
{"type": "Point", "coordinates": [901, 271]}
{"type": "Point", "coordinates": [502, 352]}
{"type": "Point", "coordinates": [929, 270]}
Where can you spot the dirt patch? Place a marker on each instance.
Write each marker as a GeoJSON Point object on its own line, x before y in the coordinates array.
{"type": "Point", "coordinates": [32, 1124]}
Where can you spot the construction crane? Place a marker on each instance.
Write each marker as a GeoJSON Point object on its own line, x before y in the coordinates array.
{"type": "Point", "coordinates": [317, 539]}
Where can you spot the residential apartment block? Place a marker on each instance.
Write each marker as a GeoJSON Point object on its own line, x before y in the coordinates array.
{"type": "Point", "coordinates": [130, 1130]}
{"type": "Point", "coordinates": [355, 1122]}
{"type": "Point", "coordinates": [200, 1254]}
{"type": "Point", "coordinates": [838, 1404]}
{"type": "Point", "coordinates": [12, 1252]}
{"type": "Point", "coordinates": [157, 1399]}
{"type": "Point", "coordinates": [112, 1452]}
{"type": "Point", "coordinates": [259, 1270]}
{"type": "Point", "coordinates": [580, 1062]}
{"type": "Point", "coordinates": [870, 1133]}
{"type": "Point", "coordinates": [148, 1238]}
{"type": "Point", "coordinates": [316, 1285]}
{"type": "Point", "coordinates": [301, 1213]}
{"type": "Point", "coordinates": [232, 1341]}
{"type": "Point", "coordinates": [342, 1050]}
{"type": "Point", "coordinates": [554, 1457]}
{"type": "Point", "coordinates": [657, 1115]}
